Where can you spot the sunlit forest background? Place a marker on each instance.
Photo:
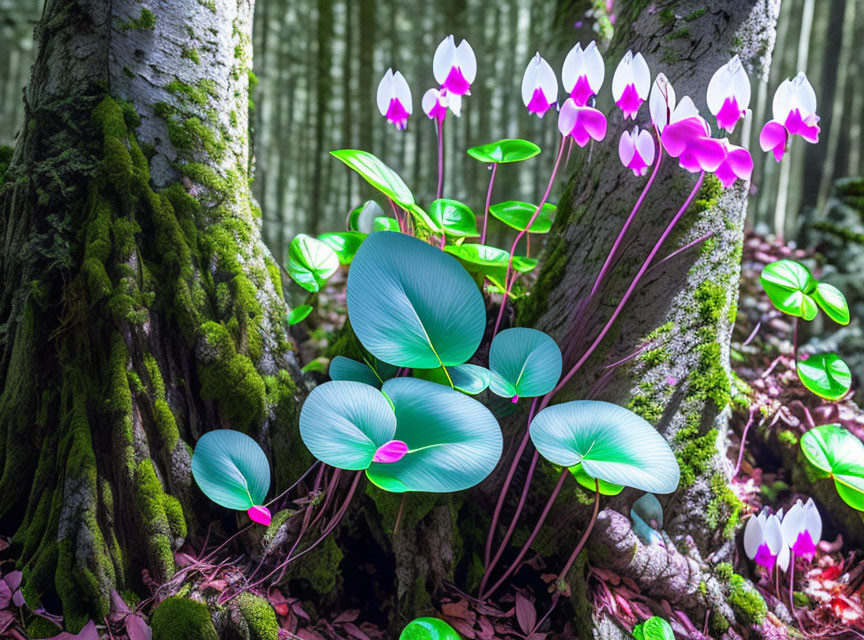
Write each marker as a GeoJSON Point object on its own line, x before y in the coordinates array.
{"type": "Point", "coordinates": [318, 72]}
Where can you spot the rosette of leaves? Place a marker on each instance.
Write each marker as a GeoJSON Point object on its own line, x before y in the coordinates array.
{"type": "Point", "coordinates": [837, 453]}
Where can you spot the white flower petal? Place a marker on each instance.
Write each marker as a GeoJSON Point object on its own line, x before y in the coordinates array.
{"type": "Point", "coordinates": [813, 521]}
{"type": "Point", "coordinates": [685, 109]}
{"type": "Point", "coordinates": [740, 83]}
{"type": "Point", "coordinates": [531, 78]}
{"type": "Point", "coordinates": [793, 523]}
{"type": "Point", "coordinates": [430, 99]}
{"type": "Point", "coordinates": [455, 103]}
{"type": "Point", "coordinates": [466, 61]}
{"type": "Point", "coordinates": [641, 76]}
{"type": "Point", "coordinates": [753, 536]}
{"type": "Point", "coordinates": [385, 92]}
{"type": "Point", "coordinates": [593, 65]}
{"type": "Point", "coordinates": [783, 558]}
{"type": "Point", "coordinates": [567, 117]}
{"type": "Point", "coordinates": [794, 93]}
{"type": "Point", "coordinates": [626, 148]}
{"type": "Point", "coordinates": [623, 75]}
{"type": "Point", "coordinates": [645, 146]}
{"type": "Point", "coordinates": [774, 535]}
{"type": "Point", "coordinates": [548, 81]}
{"type": "Point", "coordinates": [444, 58]}
{"type": "Point", "coordinates": [662, 101]}
{"type": "Point", "coordinates": [573, 65]}
{"type": "Point", "coordinates": [402, 92]}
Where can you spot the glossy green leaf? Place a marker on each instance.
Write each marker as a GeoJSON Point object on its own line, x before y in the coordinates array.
{"type": "Point", "coordinates": [384, 223]}
{"type": "Point", "coordinates": [517, 214]}
{"type": "Point", "coordinates": [455, 218]}
{"type": "Point", "coordinates": [826, 375]}
{"type": "Point", "coordinates": [424, 218]}
{"type": "Point", "coordinates": [489, 261]}
{"type": "Point", "coordinates": [467, 378]}
{"type": "Point", "coordinates": [611, 443]}
{"type": "Point", "coordinates": [318, 365]}
{"type": "Point", "coordinates": [504, 151]}
{"type": "Point", "coordinates": [343, 423]}
{"type": "Point", "coordinates": [593, 484]}
{"type": "Point", "coordinates": [413, 305]}
{"type": "Point", "coordinates": [360, 218]}
{"type": "Point", "coordinates": [428, 629]}
{"type": "Point", "coordinates": [344, 243]}
{"type": "Point", "coordinates": [231, 469]}
{"type": "Point", "coordinates": [840, 454]}
{"type": "Point", "coordinates": [833, 302]}
{"type": "Point", "coordinates": [790, 287]}
{"type": "Point", "coordinates": [654, 628]}
{"type": "Point", "coordinates": [378, 174]}
{"type": "Point", "coordinates": [454, 442]}
{"type": "Point", "coordinates": [524, 363]}
{"type": "Point", "coordinates": [299, 314]}
{"type": "Point", "coordinates": [342, 368]}
{"type": "Point", "coordinates": [310, 262]}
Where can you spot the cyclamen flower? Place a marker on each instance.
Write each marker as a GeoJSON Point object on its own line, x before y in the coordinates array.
{"type": "Point", "coordinates": [583, 73]}
{"type": "Point", "coordinates": [637, 151]}
{"type": "Point", "coordinates": [763, 542]}
{"type": "Point", "coordinates": [435, 104]}
{"type": "Point", "coordinates": [729, 94]}
{"type": "Point", "coordinates": [394, 99]}
{"type": "Point", "coordinates": [802, 529]}
{"type": "Point", "coordinates": [794, 115]}
{"type": "Point", "coordinates": [688, 138]}
{"type": "Point", "coordinates": [539, 86]}
{"type": "Point", "coordinates": [455, 68]}
{"type": "Point", "coordinates": [736, 164]}
{"type": "Point", "coordinates": [631, 83]}
{"type": "Point", "coordinates": [661, 104]}
{"type": "Point", "coordinates": [581, 123]}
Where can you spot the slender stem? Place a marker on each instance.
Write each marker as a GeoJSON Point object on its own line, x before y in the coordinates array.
{"type": "Point", "coordinates": [747, 426]}
{"type": "Point", "coordinates": [508, 282]}
{"type": "Point", "coordinates": [584, 538]}
{"type": "Point", "coordinates": [530, 539]}
{"type": "Point", "coordinates": [488, 201]}
{"type": "Point", "coordinates": [791, 582]}
{"type": "Point", "coordinates": [440, 158]}
{"type": "Point", "coordinates": [329, 491]}
{"type": "Point", "coordinates": [632, 287]}
{"type": "Point", "coordinates": [399, 513]}
{"type": "Point", "coordinates": [627, 223]}
{"type": "Point", "coordinates": [689, 245]}
{"type": "Point", "coordinates": [443, 241]}
{"type": "Point", "coordinates": [299, 480]}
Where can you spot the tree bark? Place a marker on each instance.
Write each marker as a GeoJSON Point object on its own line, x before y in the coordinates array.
{"type": "Point", "coordinates": [139, 306]}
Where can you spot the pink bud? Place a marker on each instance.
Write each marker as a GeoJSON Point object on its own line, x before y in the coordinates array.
{"type": "Point", "coordinates": [259, 514]}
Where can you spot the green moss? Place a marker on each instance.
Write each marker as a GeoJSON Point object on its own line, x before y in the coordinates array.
{"type": "Point", "coordinates": [182, 619]}
{"type": "Point", "coordinates": [174, 513]}
{"type": "Point", "coordinates": [667, 16]}
{"type": "Point", "coordinates": [695, 15]}
{"type": "Point", "coordinates": [145, 22]}
{"type": "Point", "coordinates": [39, 627]}
{"type": "Point", "coordinates": [724, 506]}
{"type": "Point", "coordinates": [191, 54]}
{"type": "Point", "coordinates": [320, 567]}
{"type": "Point", "coordinates": [680, 34]}
{"type": "Point", "coordinates": [151, 501]}
{"type": "Point", "coordinates": [655, 357]}
{"type": "Point", "coordinates": [788, 437]}
{"type": "Point", "coordinates": [746, 602]}
{"type": "Point", "coordinates": [259, 616]}
{"type": "Point", "coordinates": [695, 454]}
{"type": "Point", "coordinates": [647, 407]}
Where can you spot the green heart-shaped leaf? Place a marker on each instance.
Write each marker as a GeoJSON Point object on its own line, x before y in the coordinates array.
{"type": "Point", "coordinates": [467, 378]}
{"type": "Point", "coordinates": [833, 302]}
{"type": "Point", "coordinates": [455, 218]}
{"type": "Point", "coordinates": [504, 151]}
{"type": "Point", "coordinates": [653, 629]}
{"type": "Point", "coordinates": [231, 469]}
{"type": "Point", "coordinates": [360, 218]}
{"type": "Point", "coordinates": [299, 314]}
{"type": "Point", "coordinates": [611, 443]}
{"type": "Point", "coordinates": [412, 305]}
{"type": "Point", "coordinates": [524, 363]}
{"type": "Point", "coordinates": [790, 287]}
{"type": "Point", "coordinates": [840, 454]}
{"type": "Point", "coordinates": [454, 442]}
{"type": "Point", "coordinates": [517, 214]}
{"type": "Point", "coordinates": [342, 368]}
{"type": "Point", "coordinates": [378, 174]}
{"type": "Point", "coordinates": [384, 223]}
{"type": "Point", "coordinates": [310, 262]}
{"type": "Point", "coordinates": [826, 375]}
{"type": "Point", "coordinates": [344, 243]}
{"type": "Point", "coordinates": [489, 261]}
{"type": "Point", "coordinates": [428, 629]}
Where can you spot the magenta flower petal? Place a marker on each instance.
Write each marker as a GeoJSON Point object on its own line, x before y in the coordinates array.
{"type": "Point", "coordinates": [677, 136]}
{"type": "Point", "coordinates": [774, 138]}
{"type": "Point", "coordinates": [392, 451]}
{"type": "Point", "coordinates": [538, 105]}
{"type": "Point", "coordinates": [455, 82]}
{"type": "Point", "coordinates": [807, 127]}
{"type": "Point", "coordinates": [259, 514]}
{"type": "Point", "coordinates": [397, 114]}
{"type": "Point", "coordinates": [804, 546]}
{"type": "Point", "coordinates": [629, 102]}
{"type": "Point", "coordinates": [709, 153]}
{"type": "Point", "coordinates": [581, 92]}
{"type": "Point", "coordinates": [764, 557]}
{"type": "Point", "coordinates": [729, 115]}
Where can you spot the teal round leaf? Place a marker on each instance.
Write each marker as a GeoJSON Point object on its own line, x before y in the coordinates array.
{"type": "Point", "coordinates": [838, 453]}
{"type": "Point", "coordinates": [646, 515]}
{"type": "Point", "coordinates": [524, 363]}
{"type": "Point", "coordinates": [454, 442]}
{"type": "Point", "coordinates": [826, 375]}
{"type": "Point", "coordinates": [611, 443]}
{"type": "Point", "coordinates": [517, 214]}
{"type": "Point", "coordinates": [384, 223]}
{"type": "Point", "coordinates": [790, 287]}
{"type": "Point", "coordinates": [310, 262]}
{"type": "Point", "coordinates": [343, 423]}
{"type": "Point", "coordinates": [412, 305]}
{"type": "Point", "coordinates": [654, 628]}
{"type": "Point", "coordinates": [231, 469]}
{"type": "Point", "coordinates": [299, 314]}
{"type": "Point", "coordinates": [488, 260]}
{"type": "Point", "coordinates": [378, 174]}
{"type": "Point", "coordinates": [833, 302]}
{"type": "Point", "coordinates": [360, 217]}
{"type": "Point", "coordinates": [455, 218]}
{"type": "Point", "coordinates": [467, 378]}
{"type": "Point", "coordinates": [342, 368]}
{"type": "Point", "coordinates": [428, 629]}
{"type": "Point", "coordinates": [344, 243]}
{"type": "Point", "coordinates": [504, 151]}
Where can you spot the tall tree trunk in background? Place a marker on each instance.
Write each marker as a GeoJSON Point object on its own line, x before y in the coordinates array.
{"type": "Point", "coordinates": [681, 314]}
{"type": "Point", "coordinates": [139, 306]}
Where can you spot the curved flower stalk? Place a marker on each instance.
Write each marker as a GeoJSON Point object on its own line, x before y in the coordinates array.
{"type": "Point", "coordinates": [661, 104]}
{"type": "Point", "coordinates": [455, 68]}
{"type": "Point", "coordinates": [394, 99]}
{"type": "Point", "coordinates": [631, 83]}
{"type": "Point", "coordinates": [637, 151]}
{"type": "Point", "coordinates": [794, 115]}
{"type": "Point", "coordinates": [583, 73]}
{"type": "Point", "coordinates": [436, 102]}
{"type": "Point", "coordinates": [728, 94]}
{"type": "Point", "coordinates": [688, 137]}
{"type": "Point", "coordinates": [581, 123]}
{"type": "Point", "coordinates": [539, 86]}
{"type": "Point", "coordinates": [802, 529]}
{"type": "Point", "coordinates": [764, 542]}
{"type": "Point", "coordinates": [736, 164]}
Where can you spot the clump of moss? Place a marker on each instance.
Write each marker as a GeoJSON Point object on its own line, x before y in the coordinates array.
{"type": "Point", "coordinates": [145, 22]}
{"type": "Point", "coordinates": [259, 616]}
{"type": "Point", "coordinates": [191, 54]}
{"type": "Point", "coordinates": [724, 506]}
{"type": "Point", "coordinates": [182, 619]}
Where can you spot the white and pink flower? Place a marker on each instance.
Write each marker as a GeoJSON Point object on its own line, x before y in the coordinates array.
{"type": "Point", "coordinates": [802, 529]}
{"type": "Point", "coordinates": [394, 99]}
{"type": "Point", "coordinates": [581, 123]}
{"type": "Point", "coordinates": [455, 68]}
{"type": "Point", "coordinates": [794, 115]}
{"type": "Point", "coordinates": [435, 104]}
{"type": "Point", "coordinates": [728, 94]}
{"type": "Point", "coordinates": [661, 104]}
{"type": "Point", "coordinates": [688, 137]}
{"type": "Point", "coordinates": [738, 164]}
{"type": "Point", "coordinates": [631, 83]}
{"type": "Point", "coordinates": [583, 73]}
{"type": "Point", "coordinates": [763, 542]}
{"type": "Point", "coordinates": [539, 86]}
{"type": "Point", "coordinates": [637, 150]}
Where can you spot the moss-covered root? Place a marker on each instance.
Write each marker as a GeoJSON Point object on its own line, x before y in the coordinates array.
{"type": "Point", "coordinates": [248, 617]}
{"type": "Point", "coordinates": [182, 619]}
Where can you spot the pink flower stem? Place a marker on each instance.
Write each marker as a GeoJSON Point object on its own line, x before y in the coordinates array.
{"type": "Point", "coordinates": [689, 245]}
{"type": "Point", "coordinates": [563, 575]}
{"type": "Point", "coordinates": [507, 280]}
{"type": "Point", "coordinates": [530, 540]}
{"type": "Point", "coordinates": [440, 158]}
{"type": "Point", "coordinates": [747, 426]}
{"type": "Point", "coordinates": [396, 213]}
{"type": "Point", "coordinates": [488, 201]}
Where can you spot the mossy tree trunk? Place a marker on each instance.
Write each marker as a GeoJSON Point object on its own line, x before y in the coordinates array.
{"type": "Point", "coordinates": [139, 306]}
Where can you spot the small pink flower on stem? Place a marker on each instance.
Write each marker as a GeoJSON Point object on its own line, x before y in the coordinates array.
{"type": "Point", "coordinates": [763, 542]}
{"type": "Point", "coordinates": [435, 104]}
{"type": "Point", "coordinates": [394, 99]}
{"type": "Point", "coordinates": [637, 150]}
{"type": "Point", "coordinates": [661, 104]}
{"type": "Point", "coordinates": [631, 83]}
{"type": "Point", "coordinates": [389, 452]}
{"type": "Point", "coordinates": [581, 123]}
{"type": "Point", "coordinates": [729, 94]}
{"type": "Point", "coordinates": [737, 164]}
{"type": "Point", "coordinates": [583, 73]}
{"type": "Point", "coordinates": [455, 68]}
{"type": "Point", "coordinates": [539, 86]}
{"type": "Point", "coordinates": [802, 529]}
{"type": "Point", "coordinates": [794, 115]}
{"type": "Point", "coordinates": [688, 137]}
